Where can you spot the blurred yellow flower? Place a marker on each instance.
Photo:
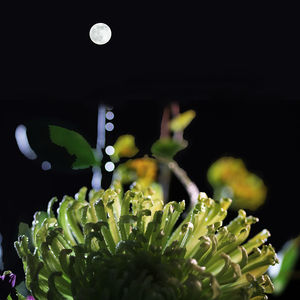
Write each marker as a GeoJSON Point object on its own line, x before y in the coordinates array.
{"type": "Point", "coordinates": [145, 168]}
{"type": "Point", "coordinates": [230, 177]}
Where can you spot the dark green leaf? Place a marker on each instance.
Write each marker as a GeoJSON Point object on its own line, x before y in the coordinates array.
{"type": "Point", "coordinates": [75, 144]}
{"type": "Point", "coordinates": [167, 147]}
{"type": "Point", "coordinates": [22, 290]}
{"type": "Point", "coordinates": [46, 150]}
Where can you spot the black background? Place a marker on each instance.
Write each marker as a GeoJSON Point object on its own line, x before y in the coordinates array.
{"type": "Point", "coordinates": [238, 67]}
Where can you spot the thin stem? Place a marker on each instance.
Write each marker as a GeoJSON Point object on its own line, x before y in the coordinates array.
{"type": "Point", "coordinates": [164, 127]}
{"type": "Point", "coordinates": [97, 174]}
{"type": "Point", "coordinates": [1, 261]}
{"type": "Point", "coordinates": [178, 135]}
{"type": "Point", "coordinates": [164, 179]}
{"type": "Point", "coordinates": [167, 166]}
{"type": "Point", "coordinates": [165, 174]}
{"type": "Point", "coordinates": [189, 185]}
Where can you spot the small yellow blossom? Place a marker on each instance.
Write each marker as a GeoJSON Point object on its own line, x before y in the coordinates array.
{"type": "Point", "coordinates": [145, 168]}
{"type": "Point", "coordinates": [230, 175]}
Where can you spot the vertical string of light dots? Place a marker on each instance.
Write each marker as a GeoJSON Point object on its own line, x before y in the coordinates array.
{"type": "Point", "coordinates": [104, 113]}
{"type": "Point", "coordinates": [109, 150]}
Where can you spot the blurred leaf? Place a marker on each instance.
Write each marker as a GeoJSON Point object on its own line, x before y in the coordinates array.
{"type": "Point", "coordinates": [167, 147]}
{"type": "Point", "coordinates": [124, 147]}
{"type": "Point", "coordinates": [75, 144]}
{"type": "Point", "coordinates": [46, 150]}
{"type": "Point", "coordinates": [288, 258]}
{"type": "Point", "coordinates": [181, 121]}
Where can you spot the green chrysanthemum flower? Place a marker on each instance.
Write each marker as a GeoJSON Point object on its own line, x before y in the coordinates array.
{"type": "Point", "coordinates": [129, 246]}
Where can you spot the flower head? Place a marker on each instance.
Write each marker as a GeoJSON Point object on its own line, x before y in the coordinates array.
{"type": "Point", "coordinates": [119, 245]}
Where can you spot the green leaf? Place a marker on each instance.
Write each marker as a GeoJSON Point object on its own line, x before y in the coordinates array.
{"type": "Point", "coordinates": [167, 147]}
{"type": "Point", "coordinates": [75, 144]}
{"type": "Point", "coordinates": [22, 290]}
{"type": "Point", "coordinates": [288, 257]}
{"type": "Point", "coordinates": [181, 121]}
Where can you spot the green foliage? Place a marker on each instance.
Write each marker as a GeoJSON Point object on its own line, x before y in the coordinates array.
{"type": "Point", "coordinates": [167, 148]}
{"type": "Point", "coordinates": [181, 121]}
{"type": "Point", "coordinates": [75, 144]}
{"type": "Point", "coordinates": [288, 259]}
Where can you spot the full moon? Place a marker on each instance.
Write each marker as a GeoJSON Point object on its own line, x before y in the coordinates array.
{"type": "Point", "coordinates": [100, 33]}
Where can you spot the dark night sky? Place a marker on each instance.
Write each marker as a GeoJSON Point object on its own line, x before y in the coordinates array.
{"type": "Point", "coordinates": [46, 51]}
{"type": "Point", "coordinates": [238, 68]}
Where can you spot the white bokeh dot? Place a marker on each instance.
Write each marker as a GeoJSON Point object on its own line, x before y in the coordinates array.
{"type": "Point", "coordinates": [46, 165]}
{"type": "Point", "coordinates": [109, 126]}
{"type": "Point", "coordinates": [109, 115]}
{"type": "Point", "coordinates": [109, 150]}
{"type": "Point", "coordinates": [109, 166]}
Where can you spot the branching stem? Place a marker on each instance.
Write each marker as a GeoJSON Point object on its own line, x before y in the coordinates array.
{"type": "Point", "coordinates": [182, 176]}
